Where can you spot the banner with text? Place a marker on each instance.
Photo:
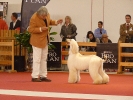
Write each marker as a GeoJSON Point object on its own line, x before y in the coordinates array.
{"type": "Point", "coordinates": [29, 7]}
{"type": "Point", "coordinates": [54, 56]}
{"type": "Point", "coordinates": [111, 51]}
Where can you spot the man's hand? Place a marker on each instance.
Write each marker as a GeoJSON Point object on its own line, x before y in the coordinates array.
{"type": "Point", "coordinates": [60, 21]}
{"type": "Point", "coordinates": [44, 28]}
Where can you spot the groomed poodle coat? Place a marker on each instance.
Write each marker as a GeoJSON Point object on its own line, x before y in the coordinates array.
{"type": "Point", "coordinates": [77, 62]}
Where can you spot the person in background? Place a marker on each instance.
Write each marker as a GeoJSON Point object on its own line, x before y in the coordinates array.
{"type": "Point", "coordinates": [3, 24]}
{"type": "Point", "coordinates": [68, 30]}
{"type": "Point", "coordinates": [100, 30]}
{"type": "Point", "coordinates": [15, 24]}
{"type": "Point", "coordinates": [91, 38]}
{"type": "Point", "coordinates": [126, 36]}
{"type": "Point", "coordinates": [105, 39]}
{"type": "Point", "coordinates": [39, 29]}
{"type": "Point", "coordinates": [126, 30]}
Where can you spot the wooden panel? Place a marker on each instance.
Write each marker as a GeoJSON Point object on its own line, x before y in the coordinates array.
{"type": "Point", "coordinates": [126, 44]}
{"type": "Point", "coordinates": [64, 52]}
{"type": "Point", "coordinates": [8, 38]}
{"type": "Point", "coordinates": [126, 54]}
{"type": "Point", "coordinates": [64, 61]}
{"type": "Point", "coordinates": [5, 43]}
{"type": "Point", "coordinates": [87, 53]}
{"type": "Point", "coordinates": [64, 43]}
{"type": "Point", "coordinates": [6, 62]}
{"type": "Point", "coordinates": [81, 44]}
{"type": "Point", "coordinates": [126, 64]}
{"type": "Point", "coordinates": [8, 52]}
{"type": "Point", "coordinates": [5, 52]}
{"type": "Point", "coordinates": [119, 57]}
{"type": "Point", "coordinates": [12, 55]}
{"type": "Point", "coordinates": [82, 52]}
{"type": "Point", "coordinates": [87, 44]}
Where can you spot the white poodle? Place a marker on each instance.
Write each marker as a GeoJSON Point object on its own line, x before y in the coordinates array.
{"type": "Point", "coordinates": [77, 62]}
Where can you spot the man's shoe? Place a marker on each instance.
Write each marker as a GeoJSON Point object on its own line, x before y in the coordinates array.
{"type": "Point", "coordinates": [36, 80]}
{"type": "Point", "coordinates": [45, 79]}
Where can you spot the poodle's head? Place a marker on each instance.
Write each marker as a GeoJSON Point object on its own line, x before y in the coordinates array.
{"type": "Point", "coordinates": [74, 48]}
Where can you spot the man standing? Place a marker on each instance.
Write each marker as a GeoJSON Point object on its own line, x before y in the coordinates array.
{"type": "Point", "coordinates": [99, 31]}
{"type": "Point", "coordinates": [15, 24]}
{"type": "Point", "coordinates": [126, 30]}
{"type": "Point", "coordinates": [3, 25]}
{"type": "Point", "coordinates": [126, 36]}
{"type": "Point", "coordinates": [39, 29]}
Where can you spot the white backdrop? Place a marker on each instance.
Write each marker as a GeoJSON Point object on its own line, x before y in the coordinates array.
{"type": "Point", "coordinates": [113, 14]}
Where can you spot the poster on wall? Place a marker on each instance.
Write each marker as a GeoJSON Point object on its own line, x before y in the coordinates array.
{"type": "Point", "coordinates": [29, 7]}
{"type": "Point", "coordinates": [4, 8]}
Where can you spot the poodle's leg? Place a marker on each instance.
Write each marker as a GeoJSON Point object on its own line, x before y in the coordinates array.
{"type": "Point", "coordinates": [78, 76]}
{"type": "Point", "coordinates": [93, 70]}
{"type": "Point", "coordinates": [72, 76]}
{"type": "Point", "coordinates": [103, 74]}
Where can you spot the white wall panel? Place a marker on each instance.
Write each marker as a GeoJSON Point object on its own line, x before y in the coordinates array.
{"type": "Point", "coordinates": [115, 11]}
{"type": "Point", "coordinates": [97, 13]}
{"type": "Point", "coordinates": [80, 11]}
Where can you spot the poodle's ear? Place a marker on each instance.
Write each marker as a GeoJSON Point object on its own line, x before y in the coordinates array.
{"type": "Point", "coordinates": [73, 47]}
{"type": "Point", "coordinates": [68, 40]}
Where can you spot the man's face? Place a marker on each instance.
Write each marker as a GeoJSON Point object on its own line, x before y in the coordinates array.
{"type": "Point", "coordinates": [12, 18]}
{"type": "Point", "coordinates": [128, 19]}
{"type": "Point", "coordinates": [100, 25]}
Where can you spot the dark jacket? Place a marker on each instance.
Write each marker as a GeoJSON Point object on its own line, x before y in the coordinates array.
{"type": "Point", "coordinates": [17, 25]}
{"type": "Point", "coordinates": [68, 30]}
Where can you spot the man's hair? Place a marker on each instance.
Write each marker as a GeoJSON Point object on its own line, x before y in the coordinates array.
{"type": "Point", "coordinates": [42, 10]}
{"type": "Point", "coordinates": [15, 15]}
{"type": "Point", "coordinates": [128, 16]}
{"type": "Point", "coordinates": [100, 22]}
{"type": "Point", "coordinates": [1, 14]}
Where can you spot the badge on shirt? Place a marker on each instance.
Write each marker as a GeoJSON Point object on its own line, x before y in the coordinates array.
{"type": "Point", "coordinates": [130, 29]}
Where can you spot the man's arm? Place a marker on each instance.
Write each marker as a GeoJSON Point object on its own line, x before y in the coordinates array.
{"type": "Point", "coordinates": [54, 22]}
{"type": "Point", "coordinates": [5, 26]}
{"type": "Point", "coordinates": [33, 28]}
{"type": "Point", "coordinates": [130, 32]}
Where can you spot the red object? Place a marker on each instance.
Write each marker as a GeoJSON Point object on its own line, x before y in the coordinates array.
{"type": "Point", "coordinates": [3, 25]}
{"type": "Point", "coordinates": [18, 28]}
{"type": "Point", "coordinates": [63, 57]}
{"type": "Point", "coordinates": [122, 84]}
